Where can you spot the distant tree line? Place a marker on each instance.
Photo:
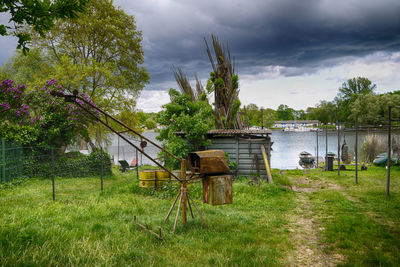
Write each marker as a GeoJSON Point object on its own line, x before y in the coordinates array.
{"type": "Point", "coordinates": [356, 98]}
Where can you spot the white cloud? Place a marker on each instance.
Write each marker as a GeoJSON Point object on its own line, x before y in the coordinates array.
{"type": "Point", "coordinates": [270, 88]}
{"type": "Point", "coordinates": [152, 100]}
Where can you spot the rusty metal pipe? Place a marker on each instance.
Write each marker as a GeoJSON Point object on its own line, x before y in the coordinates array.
{"type": "Point", "coordinates": [129, 142]}
{"type": "Point", "coordinates": [127, 127]}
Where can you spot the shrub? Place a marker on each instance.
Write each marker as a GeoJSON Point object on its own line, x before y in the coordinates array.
{"type": "Point", "coordinates": [72, 164]}
{"type": "Point", "coordinates": [372, 146]}
{"type": "Point", "coordinates": [232, 164]}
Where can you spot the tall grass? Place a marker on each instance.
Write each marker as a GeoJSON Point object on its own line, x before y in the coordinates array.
{"type": "Point", "coordinates": [372, 146]}
{"type": "Point", "coordinates": [86, 227]}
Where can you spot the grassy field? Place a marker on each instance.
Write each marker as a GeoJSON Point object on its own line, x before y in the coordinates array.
{"type": "Point", "coordinates": [302, 219]}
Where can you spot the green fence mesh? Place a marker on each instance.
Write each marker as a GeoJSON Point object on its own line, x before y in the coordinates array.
{"type": "Point", "coordinates": [11, 161]}
{"type": "Point", "coordinates": [17, 162]}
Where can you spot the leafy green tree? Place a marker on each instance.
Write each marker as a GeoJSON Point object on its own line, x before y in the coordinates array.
{"type": "Point", "coordinates": [299, 114]}
{"type": "Point", "coordinates": [269, 117]}
{"type": "Point", "coordinates": [98, 53]}
{"type": "Point", "coordinates": [354, 87]}
{"type": "Point", "coordinates": [284, 113]}
{"type": "Point", "coordinates": [348, 92]}
{"type": "Point", "coordinates": [372, 109]}
{"type": "Point", "coordinates": [36, 13]}
{"type": "Point", "coordinates": [366, 108]}
{"type": "Point", "coordinates": [253, 114]}
{"type": "Point", "coordinates": [141, 116]}
{"type": "Point", "coordinates": [131, 118]}
{"type": "Point", "coordinates": [150, 124]}
{"type": "Point", "coordinates": [325, 112]}
{"type": "Point", "coordinates": [191, 118]}
{"type": "Point", "coordinates": [28, 68]}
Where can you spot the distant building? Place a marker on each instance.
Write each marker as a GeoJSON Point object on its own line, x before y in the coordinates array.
{"type": "Point", "coordinates": [296, 124]}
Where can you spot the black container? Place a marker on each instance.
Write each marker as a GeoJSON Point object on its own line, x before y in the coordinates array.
{"type": "Point", "coordinates": [329, 162]}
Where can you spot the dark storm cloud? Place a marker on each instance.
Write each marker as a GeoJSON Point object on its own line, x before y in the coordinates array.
{"type": "Point", "coordinates": [300, 36]}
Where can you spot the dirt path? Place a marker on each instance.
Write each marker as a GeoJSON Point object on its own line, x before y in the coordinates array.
{"type": "Point", "coordinates": [306, 231]}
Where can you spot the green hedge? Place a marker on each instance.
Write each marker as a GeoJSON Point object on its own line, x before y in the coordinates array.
{"type": "Point", "coordinates": [72, 164]}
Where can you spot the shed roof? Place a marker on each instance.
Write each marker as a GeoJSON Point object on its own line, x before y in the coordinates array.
{"type": "Point", "coordinates": [237, 132]}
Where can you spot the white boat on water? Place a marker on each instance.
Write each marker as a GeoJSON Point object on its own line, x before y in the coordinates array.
{"type": "Point", "coordinates": [297, 129]}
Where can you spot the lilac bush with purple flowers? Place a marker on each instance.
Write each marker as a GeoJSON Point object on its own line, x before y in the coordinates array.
{"type": "Point", "coordinates": [34, 117]}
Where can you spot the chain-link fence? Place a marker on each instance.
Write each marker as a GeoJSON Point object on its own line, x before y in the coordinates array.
{"type": "Point", "coordinates": [11, 161]}
{"type": "Point", "coordinates": [43, 162]}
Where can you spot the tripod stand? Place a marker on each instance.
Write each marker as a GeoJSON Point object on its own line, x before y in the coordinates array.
{"type": "Point", "coordinates": [184, 200]}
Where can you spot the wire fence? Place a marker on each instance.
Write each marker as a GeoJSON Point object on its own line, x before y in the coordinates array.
{"type": "Point", "coordinates": [11, 161]}
{"type": "Point", "coordinates": [18, 162]}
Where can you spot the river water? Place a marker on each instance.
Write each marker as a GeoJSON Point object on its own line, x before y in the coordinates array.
{"type": "Point", "coordinates": [285, 149]}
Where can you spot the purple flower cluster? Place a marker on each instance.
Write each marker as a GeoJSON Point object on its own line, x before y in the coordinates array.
{"type": "Point", "coordinates": [11, 100]}
{"type": "Point", "coordinates": [6, 106]}
{"type": "Point", "coordinates": [38, 106]}
{"type": "Point", "coordinates": [7, 82]}
{"type": "Point", "coordinates": [51, 82]}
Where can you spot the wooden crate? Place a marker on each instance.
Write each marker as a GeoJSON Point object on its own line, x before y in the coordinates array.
{"type": "Point", "coordinates": [217, 190]}
{"type": "Point", "coordinates": [208, 162]}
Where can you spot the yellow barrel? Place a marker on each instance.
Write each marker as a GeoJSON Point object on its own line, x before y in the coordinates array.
{"type": "Point", "coordinates": [147, 178]}
{"type": "Point", "coordinates": [162, 176]}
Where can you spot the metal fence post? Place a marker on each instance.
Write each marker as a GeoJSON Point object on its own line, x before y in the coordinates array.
{"type": "Point", "coordinates": [389, 150]}
{"type": "Point", "coordinates": [137, 165]}
{"type": "Point", "coordinates": [326, 148]}
{"type": "Point", "coordinates": [356, 150]}
{"type": "Point", "coordinates": [53, 174]}
{"type": "Point", "coordinates": [102, 166]}
{"type": "Point", "coordinates": [3, 160]}
{"type": "Point", "coordinates": [338, 147]}
{"type": "Point", "coordinates": [317, 147]}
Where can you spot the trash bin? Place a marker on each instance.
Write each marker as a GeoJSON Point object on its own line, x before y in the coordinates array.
{"type": "Point", "coordinates": [329, 162]}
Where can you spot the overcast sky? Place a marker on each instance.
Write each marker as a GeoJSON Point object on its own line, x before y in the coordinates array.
{"type": "Point", "coordinates": [294, 52]}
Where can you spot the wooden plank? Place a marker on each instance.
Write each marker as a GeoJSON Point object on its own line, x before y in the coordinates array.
{"type": "Point", "coordinates": [269, 176]}
{"type": "Point", "coordinates": [146, 228]}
